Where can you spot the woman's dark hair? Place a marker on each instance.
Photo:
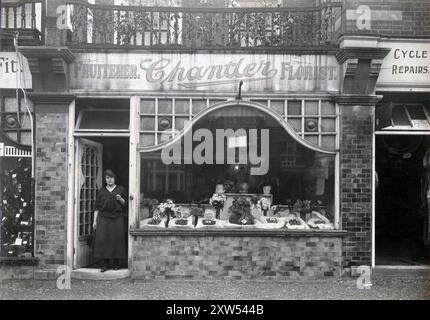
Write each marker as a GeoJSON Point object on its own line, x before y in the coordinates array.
{"type": "Point", "coordinates": [110, 173]}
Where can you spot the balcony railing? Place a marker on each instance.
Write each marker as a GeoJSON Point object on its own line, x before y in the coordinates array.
{"type": "Point", "coordinates": [204, 28]}
{"type": "Point", "coordinates": [25, 17]}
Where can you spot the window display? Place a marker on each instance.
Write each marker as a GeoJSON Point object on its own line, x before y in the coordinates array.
{"type": "Point", "coordinates": [295, 192]}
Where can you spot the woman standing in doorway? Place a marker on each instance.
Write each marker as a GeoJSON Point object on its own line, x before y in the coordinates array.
{"type": "Point", "coordinates": [110, 210]}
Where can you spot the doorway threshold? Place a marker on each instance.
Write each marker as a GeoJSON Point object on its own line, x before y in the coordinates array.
{"type": "Point", "coordinates": [401, 271]}
{"type": "Point", "coordinates": [96, 274]}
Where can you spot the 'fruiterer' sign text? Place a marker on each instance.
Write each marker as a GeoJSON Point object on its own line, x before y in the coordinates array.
{"type": "Point", "coordinates": [205, 72]}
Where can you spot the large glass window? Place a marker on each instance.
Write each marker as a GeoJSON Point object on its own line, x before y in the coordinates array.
{"type": "Point", "coordinates": [238, 167]}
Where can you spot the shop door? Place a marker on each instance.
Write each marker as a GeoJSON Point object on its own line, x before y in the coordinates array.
{"type": "Point", "coordinates": [88, 179]}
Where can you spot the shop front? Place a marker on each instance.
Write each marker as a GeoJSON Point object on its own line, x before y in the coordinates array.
{"type": "Point", "coordinates": [402, 128]}
{"type": "Point", "coordinates": [231, 162]}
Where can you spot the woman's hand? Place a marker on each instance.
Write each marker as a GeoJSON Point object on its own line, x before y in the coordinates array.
{"type": "Point", "coordinates": [94, 225]}
{"type": "Point", "coordinates": [120, 199]}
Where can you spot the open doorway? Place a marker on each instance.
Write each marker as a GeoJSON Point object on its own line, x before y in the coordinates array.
{"type": "Point", "coordinates": [401, 208]}
{"type": "Point", "coordinates": [93, 156]}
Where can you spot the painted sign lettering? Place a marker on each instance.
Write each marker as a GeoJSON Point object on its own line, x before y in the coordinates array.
{"type": "Point", "coordinates": [406, 65]}
{"type": "Point", "coordinates": [159, 72]}
{"type": "Point", "coordinates": [14, 71]}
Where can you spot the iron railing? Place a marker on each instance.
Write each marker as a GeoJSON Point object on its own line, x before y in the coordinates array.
{"type": "Point", "coordinates": [204, 28]}
{"type": "Point", "coordinates": [26, 17]}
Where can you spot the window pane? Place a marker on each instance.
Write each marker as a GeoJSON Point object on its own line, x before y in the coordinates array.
{"type": "Point", "coordinates": [10, 104]}
{"type": "Point", "coordinates": [416, 112]}
{"type": "Point", "coordinates": [198, 106]}
{"type": "Point", "coordinates": [278, 106]}
{"type": "Point", "coordinates": [328, 125]}
{"type": "Point", "coordinates": [147, 139]}
{"type": "Point", "coordinates": [165, 106]}
{"type": "Point", "coordinates": [147, 123]}
{"type": "Point", "coordinates": [328, 108]}
{"type": "Point", "coordinates": [182, 106]}
{"type": "Point", "coordinates": [311, 107]}
{"type": "Point", "coordinates": [328, 142]}
{"type": "Point", "coordinates": [147, 106]}
{"type": "Point", "coordinates": [294, 107]}
{"type": "Point", "coordinates": [260, 101]}
{"type": "Point", "coordinates": [399, 116]}
{"type": "Point", "coordinates": [214, 101]}
{"type": "Point", "coordinates": [102, 119]}
{"type": "Point", "coordinates": [296, 124]}
{"type": "Point", "coordinates": [180, 122]}
{"type": "Point", "coordinates": [312, 139]}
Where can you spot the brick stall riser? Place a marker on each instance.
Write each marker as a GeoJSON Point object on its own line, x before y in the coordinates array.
{"type": "Point", "coordinates": [51, 183]}
{"type": "Point", "coordinates": [356, 184]}
{"type": "Point", "coordinates": [236, 257]}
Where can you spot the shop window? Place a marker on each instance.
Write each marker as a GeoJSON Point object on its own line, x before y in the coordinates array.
{"type": "Point", "coordinates": [15, 121]}
{"type": "Point", "coordinates": [314, 120]}
{"type": "Point", "coordinates": [16, 206]}
{"type": "Point", "coordinates": [296, 191]}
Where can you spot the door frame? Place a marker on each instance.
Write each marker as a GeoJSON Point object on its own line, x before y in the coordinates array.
{"type": "Point", "coordinates": [386, 133]}
{"type": "Point", "coordinates": [132, 136]}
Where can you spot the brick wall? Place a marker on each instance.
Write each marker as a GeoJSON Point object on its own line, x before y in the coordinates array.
{"type": "Point", "coordinates": [356, 184]}
{"type": "Point", "coordinates": [51, 183]}
{"type": "Point", "coordinates": [236, 257]}
{"type": "Point", "coordinates": [406, 18]}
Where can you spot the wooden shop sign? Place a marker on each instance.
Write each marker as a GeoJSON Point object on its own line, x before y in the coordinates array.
{"type": "Point", "coordinates": [206, 72]}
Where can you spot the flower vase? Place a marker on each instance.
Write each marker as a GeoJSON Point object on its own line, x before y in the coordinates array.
{"type": "Point", "coordinates": [168, 219]}
{"type": "Point", "coordinates": [217, 212]}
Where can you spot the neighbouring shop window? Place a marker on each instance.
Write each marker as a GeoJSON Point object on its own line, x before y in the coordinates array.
{"type": "Point", "coordinates": [410, 116]}
{"type": "Point", "coordinates": [297, 190]}
{"type": "Point", "coordinates": [15, 122]}
{"type": "Point", "coordinates": [16, 208]}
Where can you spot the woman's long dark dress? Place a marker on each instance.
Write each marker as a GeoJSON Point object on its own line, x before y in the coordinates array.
{"type": "Point", "coordinates": [110, 240]}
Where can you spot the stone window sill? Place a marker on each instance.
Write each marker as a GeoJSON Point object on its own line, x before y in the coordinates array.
{"type": "Point", "coordinates": [239, 232]}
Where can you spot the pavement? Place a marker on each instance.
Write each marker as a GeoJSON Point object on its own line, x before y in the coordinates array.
{"type": "Point", "coordinates": [391, 288]}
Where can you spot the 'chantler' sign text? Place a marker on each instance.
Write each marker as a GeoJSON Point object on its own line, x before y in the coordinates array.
{"type": "Point", "coordinates": [204, 72]}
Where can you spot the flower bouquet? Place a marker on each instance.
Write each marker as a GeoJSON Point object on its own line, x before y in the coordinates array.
{"type": "Point", "coordinates": [264, 205]}
{"type": "Point", "coordinates": [217, 201]}
{"type": "Point", "coordinates": [182, 218]}
{"type": "Point", "coordinates": [241, 212]}
{"type": "Point", "coordinates": [167, 210]}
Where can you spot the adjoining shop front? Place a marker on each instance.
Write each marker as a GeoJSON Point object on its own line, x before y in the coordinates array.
{"type": "Point", "coordinates": [322, 128]}
{"type": "Point", "coordinates": [401, 143]}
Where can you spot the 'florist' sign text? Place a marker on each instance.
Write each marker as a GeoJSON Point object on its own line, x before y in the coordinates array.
{"type": "Point", "coordinates": [154, 72]}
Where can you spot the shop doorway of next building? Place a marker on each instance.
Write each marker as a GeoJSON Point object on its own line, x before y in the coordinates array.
{"type": "Point", "coordinates": [93, 156]}
{"type": "Point", "coordinates": [402, 200]}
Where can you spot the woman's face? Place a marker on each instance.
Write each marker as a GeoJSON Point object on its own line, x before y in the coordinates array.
{"type": "Point", "coordinates": [110, 181]}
